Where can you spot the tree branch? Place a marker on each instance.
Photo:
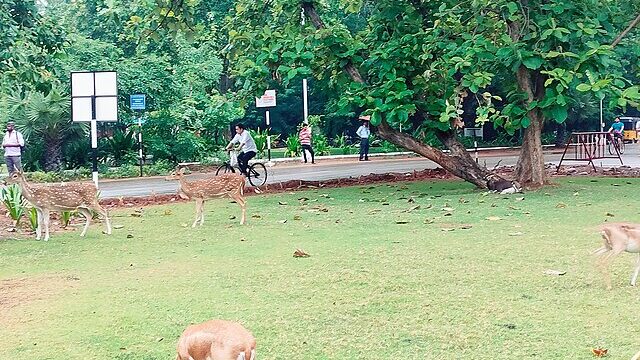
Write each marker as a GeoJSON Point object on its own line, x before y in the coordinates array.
{"type": "Point", "coordinates": [626, 31]}
{"type": "Point", "coordinates": [349, 68]}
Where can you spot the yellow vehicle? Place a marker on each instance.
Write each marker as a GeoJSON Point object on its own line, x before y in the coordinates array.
{"type": "Point", "coordinates": [630, 126]}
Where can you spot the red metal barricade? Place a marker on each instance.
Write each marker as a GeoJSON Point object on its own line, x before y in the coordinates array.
{"type": "Point", "coordinates": [589, 146]}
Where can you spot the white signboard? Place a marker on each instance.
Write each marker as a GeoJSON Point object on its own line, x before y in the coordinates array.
{"type": "Point", "coordinates": [94, 96]}
{"type": "Point", "coordinates": [267, 100]}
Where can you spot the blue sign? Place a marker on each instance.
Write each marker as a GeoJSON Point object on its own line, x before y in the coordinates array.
{"type": "Point", "coordinates": [138, 102]}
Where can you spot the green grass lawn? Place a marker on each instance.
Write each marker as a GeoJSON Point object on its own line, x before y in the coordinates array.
{"type": "Point", "coordinates": [372, 288]}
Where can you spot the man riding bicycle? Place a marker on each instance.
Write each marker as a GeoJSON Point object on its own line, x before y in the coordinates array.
{"type": "Point", "coordinates": [247, 147]}
{"type": "Point", "coordinates": [617, 128]}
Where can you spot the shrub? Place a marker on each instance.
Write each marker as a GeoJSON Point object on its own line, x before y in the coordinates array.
{"type": "Point", "coordinates": [293, 146]}
{"type": "Point", "coordinates": [13, 201]}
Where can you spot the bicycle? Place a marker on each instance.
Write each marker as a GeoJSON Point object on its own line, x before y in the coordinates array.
{"type": "Point", "coordinates": [256, 173]}
{"type": "Point", "coordinates": [616, 142]}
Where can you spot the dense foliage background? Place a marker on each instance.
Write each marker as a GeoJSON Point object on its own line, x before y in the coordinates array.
{"type": "Point", "coordinates": [201, 62]}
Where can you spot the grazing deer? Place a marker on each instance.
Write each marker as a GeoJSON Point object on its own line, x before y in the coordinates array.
{"type": "Point", "coordinates": [617, 238]}
{"type": "Point", "coordinates": [46, 198]}
{"type": "Point", "coordinates": [216, 340]}
{"type": "Point", "coordinates": [231, 185]}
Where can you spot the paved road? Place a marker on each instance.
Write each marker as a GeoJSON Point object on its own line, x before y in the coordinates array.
{"type": "Point", "coordinates": [333, 170]}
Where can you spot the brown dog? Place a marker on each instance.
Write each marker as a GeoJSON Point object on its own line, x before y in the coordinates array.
{"type": "Point", "coordinates": [216, 340]}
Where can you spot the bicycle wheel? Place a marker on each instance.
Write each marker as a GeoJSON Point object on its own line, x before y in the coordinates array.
{"type": "Point", "coordinates": [225, 168]}
{"type": "Point", "coordinates": [621, 146]}
{"type": "Point", "coordinates": [257, 174]}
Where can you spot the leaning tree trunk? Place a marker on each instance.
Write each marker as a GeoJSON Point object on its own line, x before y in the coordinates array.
{"type": "Point", "coordinates": [53, 154]}
{"type": "Point", "coordinates": [458, 162]}
{"type": "Point", "coordinates": [530, 169]}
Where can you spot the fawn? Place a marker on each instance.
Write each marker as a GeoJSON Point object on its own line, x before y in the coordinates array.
{"type": "Point", "coordinates": [618, 237]}
{"type": "Point", "coordinates": [231, 185]}
{"type": "Point", "coordinates": [60, 197]}
{"type": "Point", "coordinates": [216, 340]}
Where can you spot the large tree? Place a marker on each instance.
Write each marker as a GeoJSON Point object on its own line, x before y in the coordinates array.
{"type": "Point", "coordinates": [412, 63]}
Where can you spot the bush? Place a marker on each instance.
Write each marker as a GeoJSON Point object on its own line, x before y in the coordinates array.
{"type": "Point", "coordinates": [293, 146]}
{"type": "Point", "coordinates": [13, 201]}
{"type": "Point", "coordinates": [320, 144]}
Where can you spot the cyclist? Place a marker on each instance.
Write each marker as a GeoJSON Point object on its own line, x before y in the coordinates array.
{"type": "Point", "coordinates": [617, 128]}
{"type": "Point", "coordinates": [247, 147]}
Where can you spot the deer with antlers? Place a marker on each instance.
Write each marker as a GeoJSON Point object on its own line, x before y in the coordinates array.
{"type": "Point", "coordinates": [46, 198]}
{"type": "Point", "coordinates": [226, 185]}
{"type": "Point", "coordinates": [617, 238]}
{"type": "Point", "coordinates": [216, 340]}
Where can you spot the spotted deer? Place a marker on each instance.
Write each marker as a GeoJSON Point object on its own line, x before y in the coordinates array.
{"type": "Point", "coordinates": [216, 340]}
{"type": "Point", "coordinates": [617, 238]}
{"type": "Point", "coordinates": [231, 185]}
{"type": "Point", "coordinates": [46, 198]}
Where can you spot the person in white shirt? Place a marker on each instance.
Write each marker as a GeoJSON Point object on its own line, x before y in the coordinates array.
{"type": "Point", "coordinates": [12, 144]}
{"type": "Point", "coordinates": [247, 147]}
{"type": "Point", "coordinates": [364, 132]}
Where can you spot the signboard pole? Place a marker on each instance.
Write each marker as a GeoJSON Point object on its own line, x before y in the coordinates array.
{"type": "Point", "coordinates": [268, 136]}
{"type": "Point", "coordinates": [94, 137]}
{"type": "Point", "coordinates": [94, 149]}
{"type": "Point", "coordinates": [140, 142]}
{"type": "Point", "coordinates": [94, 97]}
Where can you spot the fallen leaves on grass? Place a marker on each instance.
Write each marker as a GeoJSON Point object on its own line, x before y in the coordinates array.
{"type": "Point", "coordinates": [554, 272]}
{"type": "Point", "coordinates": [494, 218]}
{"type": "Point", "coordinates": [283, 203]}
{"type": "Point", "coordinates": [609, 214]}
{"type": "Point", "coordinates": [561, 205]}
{"type": "Point", "coordinates": [300, 253]}
{"type": "Point", "coordinates": [599, 352]}
{"type": "Point", "coordinates": [402, 222]}
{"type": "Point", "coordinates": [413, 208]}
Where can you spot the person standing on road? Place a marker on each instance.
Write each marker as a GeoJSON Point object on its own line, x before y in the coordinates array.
{"type": "Point", "coordinates": [305, 141]}
{"type": "Point", "coordinates": [12, 143]}
{"type": "Point", "coordinates": [247, 147]}
{"type": "Point", "coordinates": [364, 132]}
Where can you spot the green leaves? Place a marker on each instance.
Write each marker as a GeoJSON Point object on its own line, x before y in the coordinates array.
{"type": "Point", "coordinates": [533, 62]}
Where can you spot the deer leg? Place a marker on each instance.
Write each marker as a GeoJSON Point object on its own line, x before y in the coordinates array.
{"type": "Point", "coordinates": [45, 220]}
{"type": "Point", "coordinates": [635, 273]}
{"type": "Point", "coordinates": [102, 211]}
{"type": "Point", "coordinates": [87, 215]}
{"type": "Point", "coordinates": [202, 213]}
{"type": "Point", "coordinates": [607, 261]}
{"type": "Point", "coordinates": [253, 354]}
{"type": "Point", "coordinates": [243, 205]}
{"type": "Point", "coordinates": [198, 209]}
{"type": "Point", "coordinates": [39, 227]}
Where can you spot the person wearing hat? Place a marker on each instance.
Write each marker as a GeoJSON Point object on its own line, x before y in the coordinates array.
{"type": "Point", "coordinates": [364, 132]}
{"type": "Point", "coordinates": [305, 140]}
{"type": "Point", "coordinates": [12, 143]}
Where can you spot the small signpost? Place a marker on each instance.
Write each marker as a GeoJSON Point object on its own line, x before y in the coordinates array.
{"type": "Point", "coordinates": [94, 97]}
{"type": "Point", "coordinates": [267, 100]}
{"type": "Point", "coordinates": [139, 102]}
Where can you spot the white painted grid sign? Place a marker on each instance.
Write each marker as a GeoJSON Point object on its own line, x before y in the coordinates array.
{"type": "Point", "coordinates": [267, 100]}
{"type": "Point", "coordinates": [94, 96]}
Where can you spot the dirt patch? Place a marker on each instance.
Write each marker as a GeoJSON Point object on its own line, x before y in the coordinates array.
{"type": "Point", "coordinates": [428, 174]}
{"type": "Point", "coordinates": [18, 292]}
{"type": "Point", "coordinates": [9, 231]}
{"type": "Point", "coordinates": [294, 185]}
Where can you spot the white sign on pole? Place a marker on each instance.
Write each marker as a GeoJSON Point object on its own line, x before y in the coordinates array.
{"type": "Point", "coordinates": [94, 96]}
{"type": "Point", "coordinates": [267, 100]}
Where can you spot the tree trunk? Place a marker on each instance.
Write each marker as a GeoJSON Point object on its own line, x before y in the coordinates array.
{"type": "Point", "coordinates": [530, 169]}
{"type": "Point", "coordinates": [53, 154]}
{"type": "Point", "coordinates": [458, 162]}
